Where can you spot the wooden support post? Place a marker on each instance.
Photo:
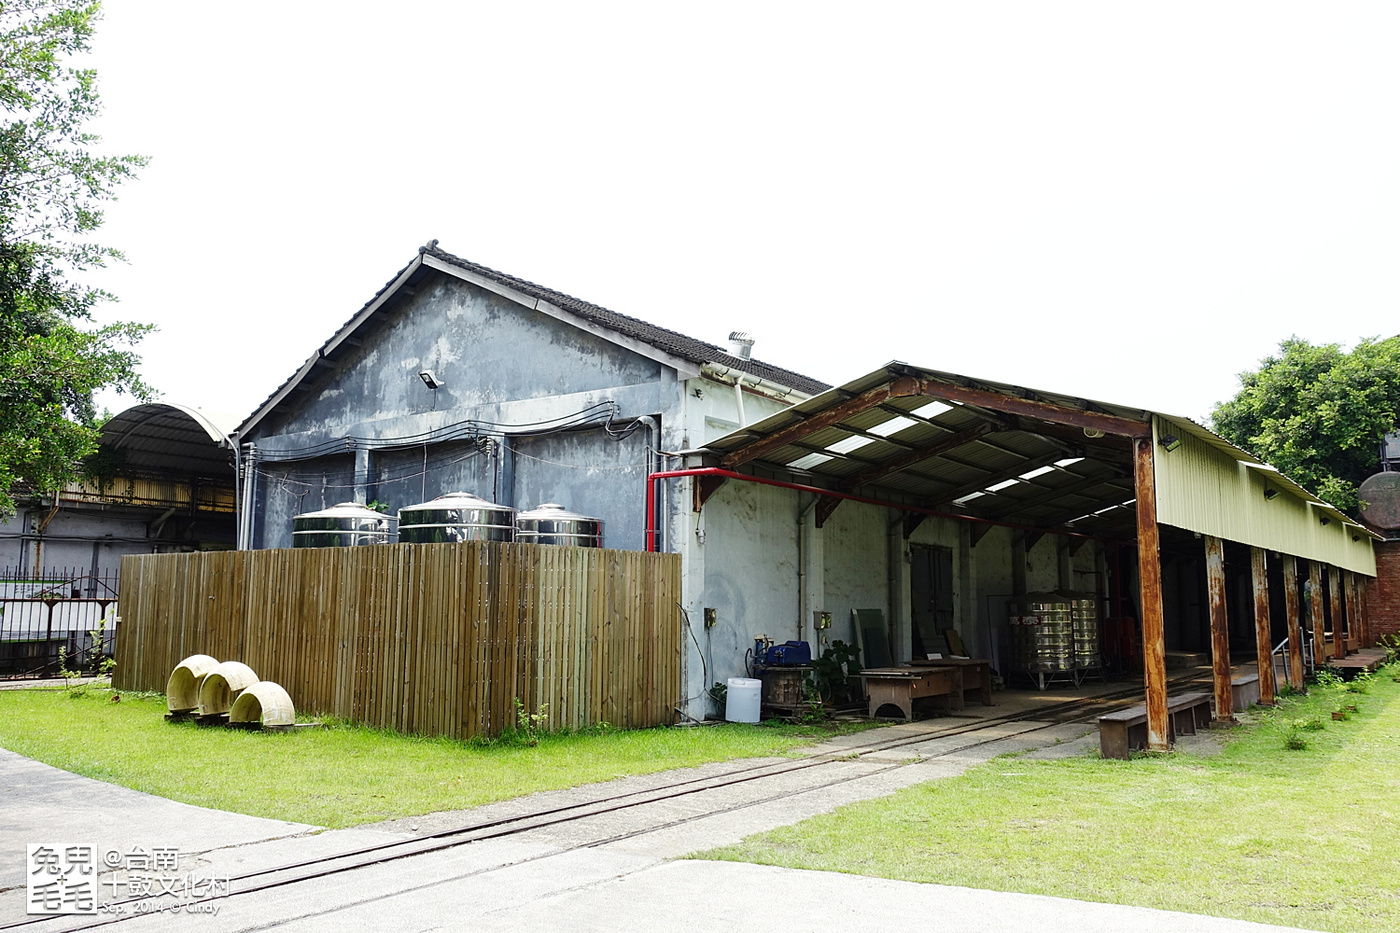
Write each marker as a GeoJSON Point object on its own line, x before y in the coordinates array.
{"type": "Point", "coordinates": [1353, 616]}
{"type": "Point", "coordinates": [1334, 594]}
{"type": "Point", "coordinates": [1154, 647]}
{"type": "Point", "coordinates": [1219, 630]}
{"type": "Point", "coordinates": [1315, 612]}
{"type": "Point", "coordinates": [1361, 591]}
{"type": "Point", "coordinates": [1295, 631]}
{"type": "Point", "coordinates": [1263, 644]}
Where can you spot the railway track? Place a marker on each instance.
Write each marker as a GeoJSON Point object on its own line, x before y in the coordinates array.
{"type": "Point", "coordinates": [1079, 709]}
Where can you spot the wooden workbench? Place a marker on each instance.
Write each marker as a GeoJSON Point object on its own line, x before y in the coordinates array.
{"type": "Point", "coordinates": [901, 686]}
{"type": "Point", "coordinates": [976, 674]}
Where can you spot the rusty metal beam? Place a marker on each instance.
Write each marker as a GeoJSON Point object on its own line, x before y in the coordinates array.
{"type": "Point", "coordinates": [1295, 632]}
{"type": "Point", "coordinates": [706, 486]}
{"type": "Point", "coordinates": [1263, 640]}
{"type": "Point", "coordinates": [865, 401]}
{"type": "Point", "coordinates": [941, 446]}
{"type": "Point", "coordinates": [1334, 603]}
{"type": "Point", "coordinates": [1315, 614]}
{"type": "Point", "coordinates": [1045, 411]}
{"type": "Point", "coordinates": [825, 506]}
{"type": "Point", "coordinates": [1219, 630]}
{"type": "Point", "coordinates": [1154, 646]}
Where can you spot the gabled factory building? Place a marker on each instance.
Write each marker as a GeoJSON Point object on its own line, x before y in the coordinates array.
{"type": "Point", "coordinates": [907, 503]}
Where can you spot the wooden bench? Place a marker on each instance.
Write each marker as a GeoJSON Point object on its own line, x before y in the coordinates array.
{"type": "Point", "coordinates": [976, 675]}
{"type": "Point", "coordinates": [1367, 659]}
{"type": "Point", "coordinates": [1244, 692]}
{"type": "Point", "coordinates": [901, 686]}
{"type": "Point", "coordinates": [1125, 730]}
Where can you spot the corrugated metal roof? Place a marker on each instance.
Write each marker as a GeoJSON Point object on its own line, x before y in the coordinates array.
{"type": "Point", "coordinates": [165, 438]}
{"type": "Point", "coordinates": [1020, 468]}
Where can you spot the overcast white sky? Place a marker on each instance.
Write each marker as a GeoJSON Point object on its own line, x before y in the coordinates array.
{"type": "Point", "coordinates": [1130, 202]}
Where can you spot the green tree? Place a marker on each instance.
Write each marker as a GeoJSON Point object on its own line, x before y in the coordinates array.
{"type": "Point", "coordinates": [1318, 413]}
{"type": "Point", "coordinates": [53, 183]}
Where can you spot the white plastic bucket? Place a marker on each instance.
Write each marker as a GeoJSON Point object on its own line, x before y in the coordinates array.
{"type": "Point", "coordinates": [742, 698]}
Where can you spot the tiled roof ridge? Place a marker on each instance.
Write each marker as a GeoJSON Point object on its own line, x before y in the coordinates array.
{"type": "Point", "coordinates": [686, 347]}
{"type": "Point", "coordinates": [678, 344]}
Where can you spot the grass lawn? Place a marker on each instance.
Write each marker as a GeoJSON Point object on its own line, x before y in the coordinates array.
{"type": "Point", "coordinates": [344, 775]}
{"type": "Point", "coordinates": [1307, 838]}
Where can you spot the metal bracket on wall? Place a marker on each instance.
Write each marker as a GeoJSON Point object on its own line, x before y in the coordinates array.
{"type": "Point", "coordinates": [825, 506]}
{"type": "Point", "coordinates": [705, 487]}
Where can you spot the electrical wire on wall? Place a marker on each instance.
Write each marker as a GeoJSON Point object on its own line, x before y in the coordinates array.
{"type": "Point", "coordinates": [600, 415]}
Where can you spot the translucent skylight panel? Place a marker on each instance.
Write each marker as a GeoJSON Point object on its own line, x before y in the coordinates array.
{"type": "Point", "coordinates": [932, 409]}
{"type": "Point", "coordinates": [893, 426]}
{"type": "Point", "coordinates": [848, 444]}
{"type": "Point", "coordinates": [1038, 472]}
{"type": "Point", "coordinates": [1070, 461]}
{"type": "Point", "coordinates": [809, 461]}
{"type": "Point", "coordinates": [968, 498]}
{"type": "Point", "coordinates": [1004, 484]}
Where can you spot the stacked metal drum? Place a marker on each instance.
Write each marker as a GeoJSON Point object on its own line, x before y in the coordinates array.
{"type": "Point", "coordinates": [1056, 637]}
{"type": "Point", "coordinates": [1084, 609]}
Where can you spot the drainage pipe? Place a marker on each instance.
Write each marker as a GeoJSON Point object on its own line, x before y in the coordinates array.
{"type": "Point", "coordinates": [651, 531]}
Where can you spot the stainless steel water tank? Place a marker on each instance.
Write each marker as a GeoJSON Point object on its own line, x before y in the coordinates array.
{"type": "Point", "coordinates": [347, 524]}
{"type": "Point", "coordinates": [551, 523]}
{"type": "Point", "coordinates": [456, 516]}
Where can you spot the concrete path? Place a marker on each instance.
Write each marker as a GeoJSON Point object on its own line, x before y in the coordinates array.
{"type": "Point", "coordinates": [614, 870]}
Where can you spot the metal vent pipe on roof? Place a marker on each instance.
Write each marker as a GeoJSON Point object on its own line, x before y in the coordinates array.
{"type": "Point", "coordinates": [742, 344]}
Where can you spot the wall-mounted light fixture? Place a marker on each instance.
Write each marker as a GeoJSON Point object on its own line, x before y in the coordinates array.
{"type": "Point", "coordinates": [1169, 442]}
{"type": "Point", "coordinates": [1325, 520]}
{"type": "Point", "coordinates": [1356, 537]}
{"type": "Point", "coordinates": [430, 380]}
{"type": "Point", "coordinates": [1270, 493]}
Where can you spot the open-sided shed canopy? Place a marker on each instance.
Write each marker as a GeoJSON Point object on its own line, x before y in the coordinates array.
{"type": "Point", "coordinates": [165, 439]}
{"type": "Point", "coordinates": [1043, 461]}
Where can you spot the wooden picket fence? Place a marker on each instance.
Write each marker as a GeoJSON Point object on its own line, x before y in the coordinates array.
{"type": "Point", "coordinates": [436, 639]}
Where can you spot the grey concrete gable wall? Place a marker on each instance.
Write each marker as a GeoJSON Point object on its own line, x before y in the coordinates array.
{"type": "Point", "coordinates": [486, 349]}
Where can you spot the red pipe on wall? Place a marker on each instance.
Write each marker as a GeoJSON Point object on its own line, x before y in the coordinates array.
{"type": "Point", "coordinates": [651, 530]}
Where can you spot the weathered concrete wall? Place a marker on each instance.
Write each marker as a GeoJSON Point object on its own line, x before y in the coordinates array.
{"type": "Point", "coordinates": [751, 561]}
{"type": "Point", "coordinates": [857, 566]}
{"type": "Point", "coordinates": [511, 369]}
{"type": "Point", "coordinates": [591, 473]}
{"type": "Point", "coordinates": [485, 349]}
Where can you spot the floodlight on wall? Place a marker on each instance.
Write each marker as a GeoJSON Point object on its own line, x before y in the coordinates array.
{"type": "Point", "coordinates": [430, 380]}
{"type": "Point", "coordinates": [1325, 520]}
{"type": "Point", "coordinates": [1356, 537]}
{"type": "Point", "coordinates": [1169, 442]}
{"type": "Point", "coordinates": [1270, 493]}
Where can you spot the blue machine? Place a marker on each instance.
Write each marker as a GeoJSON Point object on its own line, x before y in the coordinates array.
{"type": "Point", "coordinates": [789, 652]}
